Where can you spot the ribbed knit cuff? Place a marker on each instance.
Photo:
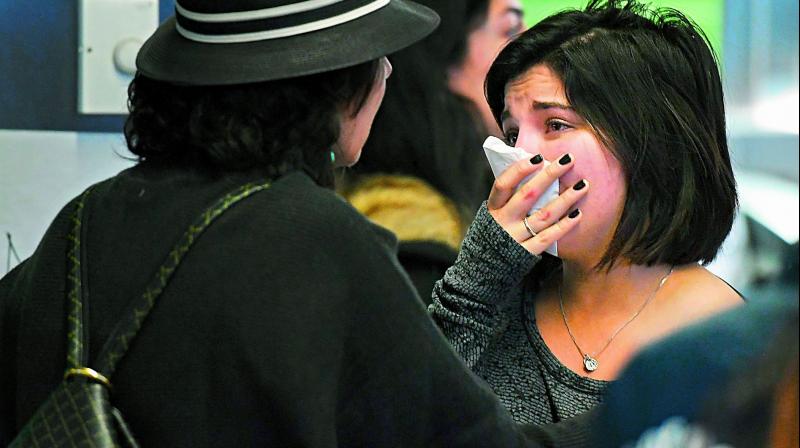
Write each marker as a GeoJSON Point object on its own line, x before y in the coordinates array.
{"type": "Point", "coordinates": [490, 260]}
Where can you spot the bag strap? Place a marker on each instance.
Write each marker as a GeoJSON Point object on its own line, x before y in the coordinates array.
{"type": "Point", "coordinates": [138, 309]}
{"type": "Point", "coordinates": [77, 352]}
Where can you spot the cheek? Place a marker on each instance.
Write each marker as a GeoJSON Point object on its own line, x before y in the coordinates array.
{"type": "Point", "coordinates": [370, 109]}
{"type": "Point", "coordinates": [482, 51]}
{"type": "Point", "coordinates": [606, 197]}
{"type": "Point", "coordinates": [377, 99]}
{"type": "Point", "coordinates": [592, 161]}
{"type": "Point", "coordinates": [362, 125]}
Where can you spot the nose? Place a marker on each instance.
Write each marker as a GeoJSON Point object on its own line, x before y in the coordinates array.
{"type": "Point", "coordinates": [530, 142]}
{"type": "Point", "coordinates": [533, 141]}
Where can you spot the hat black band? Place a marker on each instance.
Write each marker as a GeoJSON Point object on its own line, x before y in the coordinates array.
{"type": "Point", "coordinates": [271, 23]}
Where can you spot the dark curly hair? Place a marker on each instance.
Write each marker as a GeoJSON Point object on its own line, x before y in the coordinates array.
{"type": "Point", "coordinates": [275, 127]}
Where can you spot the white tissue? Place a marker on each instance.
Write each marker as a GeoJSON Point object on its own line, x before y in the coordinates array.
{"type": "Point", "coordinates": [501, 156]}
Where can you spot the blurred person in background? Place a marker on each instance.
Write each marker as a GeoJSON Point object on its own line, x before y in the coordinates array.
{"type": "Point", "coordinates": [422, 174]}
{"type": "Point", "coordinates": [488, 34]}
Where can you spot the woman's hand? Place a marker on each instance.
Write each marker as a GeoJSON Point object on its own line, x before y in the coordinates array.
{"type": "Point", "coordinates": [510, 207]}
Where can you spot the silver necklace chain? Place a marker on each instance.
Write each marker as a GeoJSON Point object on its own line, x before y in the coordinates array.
{"type": "Point", "coordinates": [590, 361]}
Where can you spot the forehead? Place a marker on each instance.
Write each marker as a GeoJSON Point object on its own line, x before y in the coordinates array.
{"type": "Point", "coordinates": [538, 83]}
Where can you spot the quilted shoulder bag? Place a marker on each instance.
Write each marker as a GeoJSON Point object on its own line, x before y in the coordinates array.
{"type": "Point", "coordinates": [79, 411]}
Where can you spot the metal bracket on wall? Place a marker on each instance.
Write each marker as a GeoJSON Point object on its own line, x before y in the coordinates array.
{"type": "Point", "coordinates": [11, 251]}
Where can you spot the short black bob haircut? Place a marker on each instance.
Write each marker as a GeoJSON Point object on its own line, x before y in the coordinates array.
{"type": "Point", "coordinates": [648, 83]}
{"type": "Point", "coordinates": [272, 127]}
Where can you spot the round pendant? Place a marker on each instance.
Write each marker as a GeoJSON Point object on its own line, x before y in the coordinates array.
{"type": "Point", "coordinates": [589, 363]}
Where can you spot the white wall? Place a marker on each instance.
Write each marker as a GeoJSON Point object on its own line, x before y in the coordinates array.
{"type": "Point", "coordinates": [40, 171]}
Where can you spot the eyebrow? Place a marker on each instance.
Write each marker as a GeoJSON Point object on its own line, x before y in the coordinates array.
{"type": "Point", "coordinates": [544, 105]}
{"type": "Point", "coordinates": [540, 105]}
{"type": "Point", "coordinates": [515, 11]}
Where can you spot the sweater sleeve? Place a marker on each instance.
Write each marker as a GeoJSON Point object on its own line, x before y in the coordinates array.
{"type": "Point", "coordinates": [471, 303]}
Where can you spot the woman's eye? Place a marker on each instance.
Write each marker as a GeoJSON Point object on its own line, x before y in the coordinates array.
{"type": "Point", "coordinates": [557, 126]}
{"type": "Point", "coordinates": [511, 139]}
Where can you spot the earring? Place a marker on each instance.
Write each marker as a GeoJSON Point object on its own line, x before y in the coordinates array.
{"type": "Point", "coordinates": [333, 157]}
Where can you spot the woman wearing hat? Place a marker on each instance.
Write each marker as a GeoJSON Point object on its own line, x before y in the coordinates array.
{"type": "Point", "coordinates": [279, 316]}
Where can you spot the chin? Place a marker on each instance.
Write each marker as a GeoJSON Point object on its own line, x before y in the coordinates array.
{"type": "Point", "coordinates": [355, 160]}
{"type": "Point", "coordinates": [570, 248]}
{"type": "Point", "coordinates": [566, 255]}
{"type": "Point", "coordinates": [569, 241]}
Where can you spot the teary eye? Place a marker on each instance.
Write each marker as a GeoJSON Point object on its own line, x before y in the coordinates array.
{"type": "Point", "coordinates": [511, 138]}
{"type": "Point", "coordinates": [557, 125]}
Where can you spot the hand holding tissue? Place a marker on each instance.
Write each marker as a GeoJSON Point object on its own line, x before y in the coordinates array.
{"type": "Point", "coordinates": [501, 156]}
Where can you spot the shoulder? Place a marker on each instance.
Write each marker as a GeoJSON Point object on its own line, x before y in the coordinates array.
{"type": "Point", "coordinates": [691, 294]}
{"type": "Point", "coordinates": [678, 374]}
{"type": "Point", "coordinates": [298, 219]}
{"type": "Point", "coordinates": [296, 202]}
{"type": "Point", "coordinates": [52, 245]}
{"type": "Point", "coordinates": [737, 331]}
{"type": "Point", "coordinates": [701, 294]}
{"type": "Point", "coordinates": [303, 242]}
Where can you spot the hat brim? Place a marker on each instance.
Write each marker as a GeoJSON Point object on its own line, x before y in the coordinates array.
{"type": "Point", "coordinates": [168, 56]}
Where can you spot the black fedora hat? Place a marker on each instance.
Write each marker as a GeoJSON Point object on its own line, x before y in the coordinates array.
{"type": "Point", "coordinates": [216, 42]}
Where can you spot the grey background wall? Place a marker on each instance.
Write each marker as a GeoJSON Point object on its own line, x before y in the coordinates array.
{"type": "Point", "coordinates": [48, 152]}
{"type": "Point", "coordinates": [40, 171]}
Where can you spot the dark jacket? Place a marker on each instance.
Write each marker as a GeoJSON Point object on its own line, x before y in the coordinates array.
{"type": "Point", "coordinates": [289, 323]}
{"type": "Point", "coordinates": [428, 225]}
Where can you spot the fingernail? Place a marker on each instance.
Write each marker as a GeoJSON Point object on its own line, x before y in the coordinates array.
{"type": "Point", "coordinates": [565, 160]}
{"type": "Point", "coordinates": [574, 214]}
{"type": "Point", "coordinates": [579, 186]}
{"type": "Point", "coordinates": [537, 159]}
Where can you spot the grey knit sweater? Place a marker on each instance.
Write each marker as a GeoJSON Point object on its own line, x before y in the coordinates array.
{"type": "Point", "coordinates": [486, 312]}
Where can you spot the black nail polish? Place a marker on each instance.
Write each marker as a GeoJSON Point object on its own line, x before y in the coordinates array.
{"type": "Point", "coordinates": [574, 214]}
{"type": "Point", "coordinates": [565, 160]}
{"type": "Point", "coordinates": [579, 186]}
{"type": "Point", "coordinates": [537, 159]}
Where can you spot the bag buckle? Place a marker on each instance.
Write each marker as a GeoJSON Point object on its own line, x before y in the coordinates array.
{"type": "Point", "coordinates": [91, 374]}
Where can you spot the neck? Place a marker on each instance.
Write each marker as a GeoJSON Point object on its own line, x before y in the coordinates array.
{"type": "Point", "coordinates": [622, 288]}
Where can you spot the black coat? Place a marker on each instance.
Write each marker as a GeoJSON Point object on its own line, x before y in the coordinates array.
{"type": "Point", "coordinates": [289, 323]}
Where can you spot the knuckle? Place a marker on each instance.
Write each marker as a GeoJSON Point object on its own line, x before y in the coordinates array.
{"type": "Point", "coordinates": [552, 170]}
{"type": "Point", "coordinates": [560, 202]}
{"type": "Point", "coordinates": [529, 192]}
{"type": "Point", "coordinates": [501, 185]}
{"type": "Point", "coordinates": [541, 214]}
{"type": "Point", "coordinates": [545, 238]}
